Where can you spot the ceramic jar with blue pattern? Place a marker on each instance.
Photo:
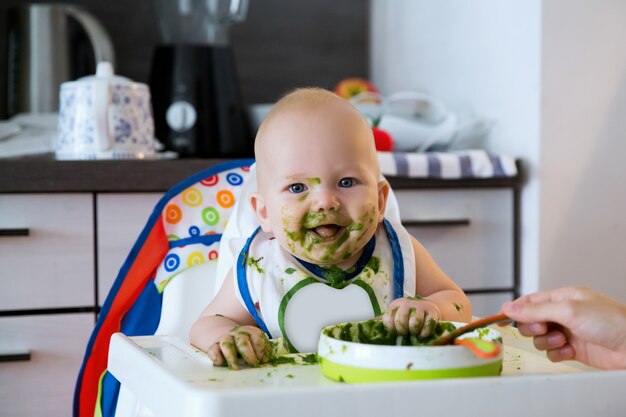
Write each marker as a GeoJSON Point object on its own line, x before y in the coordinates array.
{"type": "Point", "coordinates": [105, 117]}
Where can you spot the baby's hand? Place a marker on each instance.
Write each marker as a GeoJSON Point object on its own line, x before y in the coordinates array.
{"type": "Point", "coordinates": [415, 315]}
{"type": "Point", "coordinates": [249, 342]}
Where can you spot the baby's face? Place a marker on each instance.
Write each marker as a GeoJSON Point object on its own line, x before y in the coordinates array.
{"type": "Point", "coordinates": [319, 182]}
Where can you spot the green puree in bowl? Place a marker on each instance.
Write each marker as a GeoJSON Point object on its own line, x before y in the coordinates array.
{"type": "Point", "coordinates": [373, 332]}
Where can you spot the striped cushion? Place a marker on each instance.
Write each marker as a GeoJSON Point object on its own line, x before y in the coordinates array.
{"type": "Point", "coordinates": [447, 165]}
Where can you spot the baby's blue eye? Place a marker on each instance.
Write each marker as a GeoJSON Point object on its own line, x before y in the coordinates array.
{"type": "Point", "coordinates": [297, 188]}
{"type": "Point", "coordinates": [346, 182]}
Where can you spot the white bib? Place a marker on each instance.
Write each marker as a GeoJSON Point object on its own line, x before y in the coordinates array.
{"type": "Point", "coordinates": [290, 298]}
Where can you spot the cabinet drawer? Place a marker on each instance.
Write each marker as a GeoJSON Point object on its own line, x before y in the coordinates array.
{"type": "Point", "coordinates": [121, 217]}
{"type": "Point", "coordinates": [484, 305]}
{"type": "Point", "coordinates": [53, 266]}
{"type": "Point", "coordinates": [44, 385]}
{"type": "Point", "coordinates": [468, 232]}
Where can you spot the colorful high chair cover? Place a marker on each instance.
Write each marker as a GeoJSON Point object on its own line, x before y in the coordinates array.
{"type": "Point", "coordinates": [183, 231]}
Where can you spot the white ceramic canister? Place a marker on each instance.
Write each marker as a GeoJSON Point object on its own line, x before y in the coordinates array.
{"type": "Point", "coordinates": [105, 116]}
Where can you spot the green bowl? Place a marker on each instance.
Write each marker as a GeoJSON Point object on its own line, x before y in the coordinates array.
{"type": "Point", "coordinates": [359, 362]}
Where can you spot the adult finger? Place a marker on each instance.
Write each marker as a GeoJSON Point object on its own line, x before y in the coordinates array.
{"type": "Point", "coordinates": [549, 311]}
{"type": "Point", "coordinates": [553, 340]}
{"type": "Point", "coordinates": [215, 354]}
{"type": "Point", "coordinates": [532, 329]}
{"type": "Point", "coordinates": [229, 350]}
{"type": "Point", "coordinates": [563, 353]}
{"type": "Point", "coordinates": [244, 347]}
{"type": "Point", "coordinates": [558, 294]}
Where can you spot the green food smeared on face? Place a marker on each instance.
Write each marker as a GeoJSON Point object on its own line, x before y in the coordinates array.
{"type": "Point", "coordinates": [254, 263]}
{"type": "Point", "coordinates": [354, 227]}
{"type": "Point", "coordinates": [303, 197]}
{"type": "Point", "coordinates": [313, 219]}
{"type": "Point", "coordinates": [459, 307]}
{"type": "Point", "coordinates": [290, 271]}
{"type": "Point", "coordinates": [333, 248]}
{"type": "Point", "coordinates": [313, 181]}
{"type": "Point", "coordinates": [373, 332]}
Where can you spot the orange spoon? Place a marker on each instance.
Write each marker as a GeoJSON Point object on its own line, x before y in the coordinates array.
{"type": "Point", "coordinates": [479, 347]}
{"type": "Point", "coordinates": [450, 337]}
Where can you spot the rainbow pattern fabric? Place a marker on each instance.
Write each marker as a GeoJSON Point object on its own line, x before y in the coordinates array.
{"type": "Point", "coordinates": [183, 231]}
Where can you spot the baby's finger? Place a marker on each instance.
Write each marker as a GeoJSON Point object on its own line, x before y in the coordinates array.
{"type": "Point", "coordinates": [389, 320]}
{"type": "Point", "coordinates": [552, 340]}
{"type": "Point", "coordinates": [215, 354]}
{"type": "Point", "coordinates": [563, 353]}
{"type": "Point", "coordinates": [244, 347]}
{"type": "Point", "coordinates": [430, 321]}
{"type": "Point", "coordinates": [227, 346]}
{"type": "Point", "coordinates": [401, 320]}
{"type": "Point", "coordinates": [262, 346]}
{"type": "Point", "coordinates": [416, 321]}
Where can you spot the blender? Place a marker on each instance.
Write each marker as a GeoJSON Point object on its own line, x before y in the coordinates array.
{"type": "Point", "coordinates": [198, 110]}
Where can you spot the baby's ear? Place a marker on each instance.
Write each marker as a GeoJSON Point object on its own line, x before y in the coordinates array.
{"type": "Point", "coordinates": [383, 193]}
{"type": "Point", "coordinates": [260, 210]}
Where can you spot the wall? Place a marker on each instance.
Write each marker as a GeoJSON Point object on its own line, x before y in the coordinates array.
{"type": "Point", "coordinates": [282, 44]}
{"type": "Point", "coordinates": [552, 74]}
{"type": "Point", "coordinates": [480, 55]}
{"type": "Point", "coordinates": [583, 142]}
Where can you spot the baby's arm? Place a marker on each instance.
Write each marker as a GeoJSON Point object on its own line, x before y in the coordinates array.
{"type": "Point", "coordinates": [442, 299]}
{"type": "Point", "coordinates": [226, 330]}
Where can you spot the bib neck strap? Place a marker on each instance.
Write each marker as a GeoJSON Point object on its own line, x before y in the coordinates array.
{"type": "Point", "coordinates": [336, 277]}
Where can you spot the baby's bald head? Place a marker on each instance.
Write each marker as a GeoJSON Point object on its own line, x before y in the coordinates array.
{"type": "Point", "coordinates": [308, 114]}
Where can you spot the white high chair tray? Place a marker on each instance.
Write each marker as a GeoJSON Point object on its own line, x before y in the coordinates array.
{"type": "Point", "coordinates": [171, 378]}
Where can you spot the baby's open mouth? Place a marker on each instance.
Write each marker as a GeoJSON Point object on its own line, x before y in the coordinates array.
{"type": "Point", "coordinates": [327, 230]}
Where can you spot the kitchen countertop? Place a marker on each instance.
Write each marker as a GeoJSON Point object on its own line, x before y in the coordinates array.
{"type": "Point", "coordinates": [44, 174]}
{"type": "Point", "coordinates": [169, 377]}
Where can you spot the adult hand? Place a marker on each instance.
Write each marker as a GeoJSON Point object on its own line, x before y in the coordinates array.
{"type": "Point", "coordinates": [414, 315]}
{"type": "Point", "coordinates": [573, 323]}
{"type": "Point", "coordinates": [247, 342]}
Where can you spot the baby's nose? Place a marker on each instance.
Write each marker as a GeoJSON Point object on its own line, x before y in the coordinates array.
{"type": "Point", "coordinates": [325, 200]}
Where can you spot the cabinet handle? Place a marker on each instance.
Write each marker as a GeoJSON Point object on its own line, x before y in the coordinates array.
{"type": "Point", "coordinates": [14, 232]}
{"type": "Point", "coordinates": [15, 357]}
{"type": "Point", "coordinates": [436, 223]}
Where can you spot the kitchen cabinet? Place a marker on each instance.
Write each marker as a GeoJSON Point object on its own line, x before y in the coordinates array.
{"type": "Point", "coordinates": [40, 356]}
{"type": "Point", "coordinates": [120, 219]}
{"type": "Point", "coordinates": [55, 250]}
{"type": "Point", "coordinates": [47, 251]}
{"type": "Point", "coordinates": [470, 234]}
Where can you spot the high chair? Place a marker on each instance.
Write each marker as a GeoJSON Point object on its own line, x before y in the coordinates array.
{"type": "Point", "coordinates": [174, 269]}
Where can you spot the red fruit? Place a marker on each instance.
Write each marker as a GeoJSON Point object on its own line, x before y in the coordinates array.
{"type": "Point", "coordinates": [382, 140]}
{"type": "Point", "coordinates": [350, 87]}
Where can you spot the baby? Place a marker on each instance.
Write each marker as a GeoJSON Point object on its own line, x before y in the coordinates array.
{"type": "Point", "coordinates": [324, 253]}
